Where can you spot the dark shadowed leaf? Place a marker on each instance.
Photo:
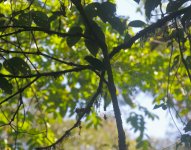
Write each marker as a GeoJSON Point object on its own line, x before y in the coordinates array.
{"type": "Point", "coordinates": [188, 61]}
{"type": "Point", "coordinates": [187, 128]}
{"type": "Point", "coordinates": [186, 19]}
{"type": "Point", "coordinates": [117, 24]}
{"type": "Point", "coordinates": [55, 15]}
{"type": "Point", "coordinates": [5, 85]}
{"type": "Point", "coordinates": [92, 46]}
{"type": "Point", "coordinates": [92, 9]}
{"type": "Point", "coordinates": [174, 5]}
{"type": "Point", "coordinates": [108, 7]}
{"type": "Point", "coordinates": [98, 31]}
{"type": "Point", "coordinates": [94, 62]}
{"type": "Point", "coordinates": [40, 19]}
{"type": "Point", "coordinates": [17, 65]}
{"type": "Point", "coordinates": [25, 19]}
{"type": "Point", "coordinates": [62, 8]}
{"type": "Point", "coordinates": [137, 23]}
{"type": "Point", "coordinates": [127, 37]}
{"type": "Point", "coordinates": [106, 11]}
{"type": "Point", "coordinates": [157, 106]}
{"type": "Point", "coordinates": [137, 1]}
{"type": "Point", "coordinates": [150, 5]}
{"type": "Point", "coordinates": [72, 40]}
{"type": "Point", "coordinates": [175, 61]}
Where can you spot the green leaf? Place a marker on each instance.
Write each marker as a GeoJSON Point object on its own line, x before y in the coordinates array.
{"type": "Point", "coordinates": [72, 40]}
{"type": "Point", "coordinates": [40, 19]}
{"type": "Point", "coordinates": [150, 5]}
{"type": "Point", "coordinates": [137, 23]}
{"type": "Point", "coordinates": [92, 46]}
{"type": "Point", "coordinates": [17, 65]}
{"type": "Point", "coordinates": [5, 85]}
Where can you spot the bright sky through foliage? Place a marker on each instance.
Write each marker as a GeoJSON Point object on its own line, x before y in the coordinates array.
{"type": "Point", "coordinates": [157, 128]}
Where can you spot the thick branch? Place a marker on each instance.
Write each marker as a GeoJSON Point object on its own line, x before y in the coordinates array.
{"type": "Point", "coordinates": [148, 30]}
{"type": "Point", "coordinates": [111, 84]}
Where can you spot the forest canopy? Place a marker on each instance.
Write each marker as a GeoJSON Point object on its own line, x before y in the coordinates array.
{"type": "Point", "coordinates": [66, 59]}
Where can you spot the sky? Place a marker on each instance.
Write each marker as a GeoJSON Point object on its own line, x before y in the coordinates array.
{"type": "Point", "coordinates": [158, 128]}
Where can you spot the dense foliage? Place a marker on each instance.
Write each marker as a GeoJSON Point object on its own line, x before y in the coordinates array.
{"type": "Point", "coordinates": [61, 59]}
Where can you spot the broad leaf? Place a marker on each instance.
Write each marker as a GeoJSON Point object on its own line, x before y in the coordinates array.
{"type": "Point", "coordinates": [75, 32]}
{"type": "Point", "coordinates": [5, 85]}
{"type": "Point", "coordinates": [150, 5]}
{"type": "Point", "coordinates": [97, 30]}
{"type": "Point", "coordinates": [106, 11]}
{"type": "Point", "coordinates": [92, 46]}
{"type": "Point", "coordinates": [137, 23]}
{"type": "Point", "coordinates": [174, 5]}
{"type": "Point", "coordinates": [25, 19]}
{"type": "Point", "coordinates": [92, 9]}
{"type": "Point", "coordinates": [40, 19]}
{"type": "Point", "coordinates": [137, 1]}
{"type": "Point", "coordinates": [17, 65]}
{"type": "Point", "coordinates": [117, 24]}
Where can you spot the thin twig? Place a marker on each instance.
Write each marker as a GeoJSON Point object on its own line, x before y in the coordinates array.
{"type": "Point", "coordinates": [86, 111]}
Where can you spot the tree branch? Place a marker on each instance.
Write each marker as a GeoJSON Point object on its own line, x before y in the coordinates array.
{"type": "Point", "coordinates": [148, 30]}
{"type": "Point", "coordinates": [86, 111]}
{"type": "Point", "coordinates": [47, 74]}
{"type": "Point", "coordinates": [50, 32]}
{"type": "Point", "coordinates": [111, 84]}
{"type": "Point", "coordinates": [19, 91]}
